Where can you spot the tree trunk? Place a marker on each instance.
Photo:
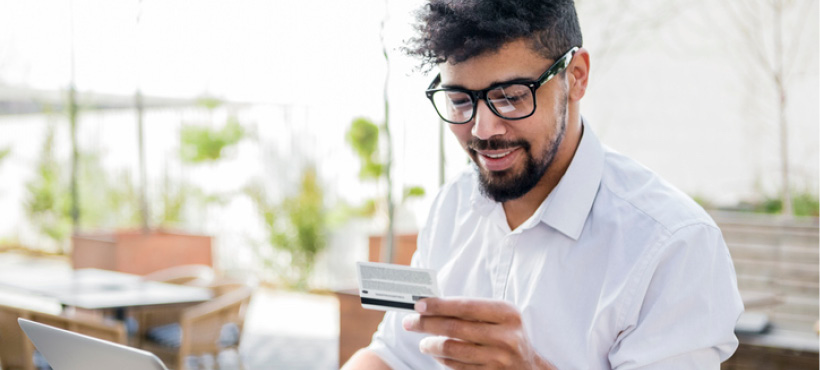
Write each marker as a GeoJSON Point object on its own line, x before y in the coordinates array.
{"type": "Point", "coordinates": [781, 107]}
{"type": "Point", "coordinates": [72, 120]}
{"type": "Point", "coordinates": [138, 102]}
{"type": "Point", "coordinates": [143, 199]}
{"type": "Point", "coordinates": [389, 238]}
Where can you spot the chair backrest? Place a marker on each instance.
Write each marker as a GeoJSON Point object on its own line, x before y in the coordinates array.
{"type": "Point", "coordinates": [202, 324]}
{"type": "Point", "coordinates": [223, 285]}
{"type": "Point", "coordinates": [16, 350]}
{"type": "Point", "coordinates": [199, 275]}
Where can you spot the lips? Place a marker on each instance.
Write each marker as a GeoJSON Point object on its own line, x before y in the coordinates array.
{"type": "Point", "coordinates": [498, 160]}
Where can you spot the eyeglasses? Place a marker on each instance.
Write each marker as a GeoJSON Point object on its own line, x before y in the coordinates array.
{"type": "Point", "coordinates": [511, 100]}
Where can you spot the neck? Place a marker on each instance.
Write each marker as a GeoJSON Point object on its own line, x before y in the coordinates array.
{"type": "Point", "coordinates": [520, 209]}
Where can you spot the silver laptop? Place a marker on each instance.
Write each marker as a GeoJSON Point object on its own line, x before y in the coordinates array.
{"type": "Point", "coordinates": [65, 350]}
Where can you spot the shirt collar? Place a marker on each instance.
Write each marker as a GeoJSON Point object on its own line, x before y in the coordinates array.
{"type": "Point", "coordinates": [568, 205]}
{"type": "Point", "coordinates": [570, 202]}
{"type": "Point", "coordinates": [478, 200]}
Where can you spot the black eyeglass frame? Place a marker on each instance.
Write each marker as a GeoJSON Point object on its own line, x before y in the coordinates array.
{"type": "Point", "coordinates": [559, 66]}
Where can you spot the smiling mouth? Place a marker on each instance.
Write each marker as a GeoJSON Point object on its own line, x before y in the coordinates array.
{"type": "Point", "coordinates": [497, 160]}
{"type": "Point", "coordinates": [498, 155]}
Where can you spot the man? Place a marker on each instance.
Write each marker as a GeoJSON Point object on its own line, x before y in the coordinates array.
{"type": "Point", "coordinates": [553, 252]}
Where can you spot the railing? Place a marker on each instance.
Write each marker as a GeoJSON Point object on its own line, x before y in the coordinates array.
{"type": "Point", "coordinates": [777, 260]}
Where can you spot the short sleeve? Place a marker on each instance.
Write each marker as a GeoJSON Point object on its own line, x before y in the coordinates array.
{"type": "Point", "coordinates": [686, 314]}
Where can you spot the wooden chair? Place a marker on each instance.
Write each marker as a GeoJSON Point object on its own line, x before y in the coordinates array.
{"type": "Point", "coordinates": [155, 316]}
{"type": "Point", "coordinates": [195, 275]}
{"type": "Point", "coordinates": [17, 351]}
{"type": "Point", "coordinates": [198, 328]}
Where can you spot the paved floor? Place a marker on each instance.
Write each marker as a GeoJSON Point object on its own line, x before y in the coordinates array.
{"type": "Point", "coordinates": [283, 330]}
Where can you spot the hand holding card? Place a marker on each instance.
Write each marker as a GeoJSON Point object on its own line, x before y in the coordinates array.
{"type": "Point", "coordinates": [384, 286]}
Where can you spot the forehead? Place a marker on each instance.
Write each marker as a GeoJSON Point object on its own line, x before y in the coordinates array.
{"type": "Point", "coordinates": [514, 60]}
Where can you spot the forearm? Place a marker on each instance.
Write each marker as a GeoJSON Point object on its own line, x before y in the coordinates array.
{"type": "Point", "coordinates": [365, 359]}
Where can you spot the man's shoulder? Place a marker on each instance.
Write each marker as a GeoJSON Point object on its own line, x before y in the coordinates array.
{"type": "Point", "coordinates": [635, 189]}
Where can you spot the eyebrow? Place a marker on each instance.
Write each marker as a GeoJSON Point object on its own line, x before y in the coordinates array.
{"type": "Point", "coordinates": [494, 83]}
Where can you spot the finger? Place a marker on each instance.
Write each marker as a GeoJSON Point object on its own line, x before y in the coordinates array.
{"type": "Point", "coordinates": [456, 350]}
{"type": "Point", "coordinates": [456, 365]}
{"type": "Point", "coordinates": [476, 309]}
{"type": "Point", "coordinates": [471, 331]}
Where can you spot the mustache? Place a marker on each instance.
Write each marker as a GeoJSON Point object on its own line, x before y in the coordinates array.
{"type": "Point", "coordinates": [496, 144]}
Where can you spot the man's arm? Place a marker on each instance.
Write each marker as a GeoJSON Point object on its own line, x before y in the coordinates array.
{"type": "Point", "coordinates": [688, 307]}
{"type": "Point", "coordinates": [365, 359]}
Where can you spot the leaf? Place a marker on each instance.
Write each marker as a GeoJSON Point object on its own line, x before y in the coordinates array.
{"type": "Point", "coordinates": [209, 102]}
{"type": "Point", "coordinates": [371, 170]}
{"type": "Point", "coordinates": [202, 144]}
{"type": "Point", "coordinates": [413, 191]}
{"type": "Point", "coordinates": [4, 152]}
{"type": "Point", "coordinates": [363, 136]}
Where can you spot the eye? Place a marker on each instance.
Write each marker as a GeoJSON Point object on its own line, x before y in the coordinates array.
{"type": "Point", "coordinates": [516, 93]}
{"type": "Point", "coordinates": [459, 100]}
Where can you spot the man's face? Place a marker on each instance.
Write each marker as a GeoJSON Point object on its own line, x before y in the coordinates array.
{"type": "Point", "coordinates": [511, 155]}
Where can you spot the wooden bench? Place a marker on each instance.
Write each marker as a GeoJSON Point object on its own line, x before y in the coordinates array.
{"type": "Point", "coordinates": [776, 260]}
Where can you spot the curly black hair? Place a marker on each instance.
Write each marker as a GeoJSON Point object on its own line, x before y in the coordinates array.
{"type": "Point", "coordinates": [456, 30]}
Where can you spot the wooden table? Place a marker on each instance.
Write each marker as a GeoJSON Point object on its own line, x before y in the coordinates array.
{"type": "Point", "coordinates": [95, 289]}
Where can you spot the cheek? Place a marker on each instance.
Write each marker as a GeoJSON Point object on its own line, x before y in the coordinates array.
{"type": "Point", "coordinates": [462, 133]}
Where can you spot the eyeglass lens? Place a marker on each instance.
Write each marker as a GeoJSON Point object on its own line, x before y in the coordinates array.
{"type": "Point", "coordinates": [509, 101]}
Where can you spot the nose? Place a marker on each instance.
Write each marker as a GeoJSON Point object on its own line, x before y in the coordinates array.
{"type": "Point", "coordinates": [485, 123]}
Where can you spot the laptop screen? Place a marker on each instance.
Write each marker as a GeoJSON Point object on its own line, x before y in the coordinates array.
{"type": "Point", "coordinates": [65, 350]}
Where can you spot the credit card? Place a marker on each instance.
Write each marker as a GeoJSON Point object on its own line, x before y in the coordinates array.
{"type": "Point", "coordinates": [385, 286]}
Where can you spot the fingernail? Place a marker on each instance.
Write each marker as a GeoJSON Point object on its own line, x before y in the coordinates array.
{"type": "Point", "coordinates": [407, 322]}
{"type": "Point", "coordinates": [424, 345]}
{"type": "Point", "coordinates": [421, 306]}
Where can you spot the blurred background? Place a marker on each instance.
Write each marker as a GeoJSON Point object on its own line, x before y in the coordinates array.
{"type": "Point", "coordinates": [296, 137]}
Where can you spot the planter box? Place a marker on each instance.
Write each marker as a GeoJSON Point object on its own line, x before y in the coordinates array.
{"type": "Point", "coordinates": [139, 253]}
{"type": "Point", "coordinates": [356, 325]}
{"type": "Point", "coordinates": [405, 246]}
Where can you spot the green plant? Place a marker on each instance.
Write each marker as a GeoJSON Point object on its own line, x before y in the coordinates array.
{"type": "Point", "coordinates": [803, 204]}
{"type": "Point", "coordinates": [4, 152]}
{"type": "Point", "coordinates": [173, 200]}
{"type": "Point", "coordinates": [202, 144]}
{"type": "Point", "coordinates": [806, 204]}
{"type": "Point", "coordinates": [297, 226]}
{"type": "Point", "coordinates": [412, 192]}
{"type": "Point", "coordinates": [47, 203]}
{"type": "Point", "coordinates": [703, 201]}
{"type": "Point", "coordinates": [106, 199]}
{"type": "Point", "coordinates": [176, 197]}
{"type": "Point", "coordinates": [363, 137]}
{"type": "Point", "coordinates": [209, 102]}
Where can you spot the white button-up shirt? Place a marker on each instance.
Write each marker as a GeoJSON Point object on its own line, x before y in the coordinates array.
{"type": "Point", "coordinates": [616, 269]}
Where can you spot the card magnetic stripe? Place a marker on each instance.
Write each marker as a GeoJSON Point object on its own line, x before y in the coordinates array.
{"type": "Point", "coordinates": [382, 302]}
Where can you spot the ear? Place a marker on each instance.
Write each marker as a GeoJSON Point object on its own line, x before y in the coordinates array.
{"type": "Point", "coordinates": [578, 74]}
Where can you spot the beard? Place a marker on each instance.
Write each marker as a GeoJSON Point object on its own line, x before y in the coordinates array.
{"type": "Point", "coordinates": [508, 184]}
